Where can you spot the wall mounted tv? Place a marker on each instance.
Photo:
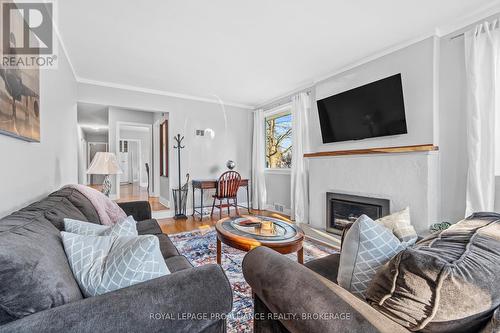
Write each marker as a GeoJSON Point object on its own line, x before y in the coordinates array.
{"type": "Point", "coordinates": [373, 110]}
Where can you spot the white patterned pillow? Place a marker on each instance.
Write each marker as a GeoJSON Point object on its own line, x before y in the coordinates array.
{"type": "Point", "coordinates": [126, 227]}
{"type": "Point", "coordinates": [102, 264]}
{"type": "Point", "coordinates": [400, 225]}
{"type": "Point", "coordinates": [367, 246]}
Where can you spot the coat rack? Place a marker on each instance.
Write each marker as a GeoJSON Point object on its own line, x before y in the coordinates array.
{"type": "Point", "coordinates": [180, 194]}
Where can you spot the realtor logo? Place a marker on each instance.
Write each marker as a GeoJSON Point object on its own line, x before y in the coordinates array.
{"type": "Point", "coordinates": [27, 35]}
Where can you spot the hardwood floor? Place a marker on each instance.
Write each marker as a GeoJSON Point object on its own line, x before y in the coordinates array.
{"type": "Point", "coordinates": [133, 192]}
{"type": "Point", "coordinates": [171, 226]}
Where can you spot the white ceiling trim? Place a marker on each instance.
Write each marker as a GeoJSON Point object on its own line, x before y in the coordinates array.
{"type": "Point", "coordinates": [159, 92]}
{"type": "Point", "coordinates": [478, 15]}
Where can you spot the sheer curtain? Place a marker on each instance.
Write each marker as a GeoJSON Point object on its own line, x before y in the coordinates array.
{"type": "Point", "coordinates": [301, 105]}
{"type": "Point", "coordinates": [482, 62]}
{"type": "Point", "coordinates": [259, 193]}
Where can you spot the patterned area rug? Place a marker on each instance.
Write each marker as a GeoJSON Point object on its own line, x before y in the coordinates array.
{"type": "Point", "coordinates": [200, 248]}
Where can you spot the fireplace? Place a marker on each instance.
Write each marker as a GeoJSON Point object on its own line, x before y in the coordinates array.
{"type": "Point", "coordinates": [342, 209]}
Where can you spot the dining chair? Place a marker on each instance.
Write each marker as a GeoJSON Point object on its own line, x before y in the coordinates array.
{"type": "Point", "coordinates": [226, 189]}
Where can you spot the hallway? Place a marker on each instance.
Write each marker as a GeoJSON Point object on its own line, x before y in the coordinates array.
{"type": "Point", "coordinates": [133, 192]}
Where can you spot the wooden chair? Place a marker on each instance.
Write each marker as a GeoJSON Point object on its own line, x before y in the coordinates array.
{"type": "Point", "coordinates": [226, 188]}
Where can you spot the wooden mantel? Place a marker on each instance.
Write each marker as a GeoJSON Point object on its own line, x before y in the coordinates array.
{"type": "Point", "coordinates": [383, 150]}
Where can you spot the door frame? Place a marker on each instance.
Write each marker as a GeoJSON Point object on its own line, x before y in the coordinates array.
{"type": "Point", "coordinates": [119, 124]}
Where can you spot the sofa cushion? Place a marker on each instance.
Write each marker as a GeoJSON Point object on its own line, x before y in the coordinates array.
{"type": "Point", "coordinates": [80, 202]}
{"type": "Point", "coordinates": [55, 209]}
{"type": "Point", "coordinates": [34, 271]}
{"type": "Point", "coordinates": [148, 227]}
{"type": "Point", "coordinates": [447, 282]}
{"type": "Point", "coordinates": [367, 246]}
{"type": "Point", "coordinates": [177, 263]}
{"type": "Point", "coordinates": [105, 263]}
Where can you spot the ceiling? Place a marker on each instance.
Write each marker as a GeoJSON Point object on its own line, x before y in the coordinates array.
{"type": "Point", "coordinates": [244, 52]}
{"type": "Point", "coordinates": [92, 118]}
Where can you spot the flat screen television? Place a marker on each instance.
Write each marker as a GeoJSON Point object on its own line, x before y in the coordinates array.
{"type": "Point", "coordinates": [373, 110]}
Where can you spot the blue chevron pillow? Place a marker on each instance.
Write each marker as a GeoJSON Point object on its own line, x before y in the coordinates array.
{"type": "Point", "coordinates": [101, 264]}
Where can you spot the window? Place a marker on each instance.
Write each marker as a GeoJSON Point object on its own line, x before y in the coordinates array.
{"type": "Point", "coordinates": [279, 140]}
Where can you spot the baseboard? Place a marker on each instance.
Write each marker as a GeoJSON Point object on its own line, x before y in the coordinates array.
{"type": "Point", "coordinates": [208, 209]}
{"type": "Point", "coordinates": [164, 202]}
{"type": "Point", "coordinates": [163, 214]}
{"type": "Point", "coordinates": [286, 211]}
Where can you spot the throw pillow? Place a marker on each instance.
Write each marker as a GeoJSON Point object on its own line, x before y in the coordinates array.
{"type": "Point", "coordinates": [126, 227]}
{"type": "Point", "coordinates": [400, 225]}
{"type": "Point", "coordinates": [447, 282]}
{"type": "Point", "coordinates": [102, 264]}
{"type": "Point", "coordinates": [367, 246]}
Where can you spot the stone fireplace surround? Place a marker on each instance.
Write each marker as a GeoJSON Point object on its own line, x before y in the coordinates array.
{"type": "Point", "coordinates": [405, 179]}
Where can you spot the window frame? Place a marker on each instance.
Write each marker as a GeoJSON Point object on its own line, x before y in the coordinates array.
{"type": "Point", "coordinates": [285, 108]}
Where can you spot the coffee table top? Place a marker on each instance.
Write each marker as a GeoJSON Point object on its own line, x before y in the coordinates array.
{"type": "Point", "coordinates": [248, 231]}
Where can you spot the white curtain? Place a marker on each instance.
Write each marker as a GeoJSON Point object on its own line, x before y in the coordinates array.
{"type": "Point", "coordinates": [482, 62]}
{"type": "Point", "coordinates": [301, 105]}
{"type": "Point", "coordinates": [259, 194]}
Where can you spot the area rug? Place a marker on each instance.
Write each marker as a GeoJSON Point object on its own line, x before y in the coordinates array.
{"type": "Point", "coordinates": [200, 248]}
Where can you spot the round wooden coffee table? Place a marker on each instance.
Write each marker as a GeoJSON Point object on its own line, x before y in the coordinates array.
{"type": "Point", "coordinates": [249, 231]}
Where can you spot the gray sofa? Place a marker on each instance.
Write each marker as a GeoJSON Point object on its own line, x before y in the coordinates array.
{"type": "Point", "coordinates": [447, 282]}
{"type": "Point", "coordinates": [283, 287]}
{"type": "Point", "coordinates": [39, 294]}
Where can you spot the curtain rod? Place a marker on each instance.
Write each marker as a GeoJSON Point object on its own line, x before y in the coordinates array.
{"type": "Point", "coordinates": [284, 100]}
{"type": "Point", "coordinates": [495, 25]}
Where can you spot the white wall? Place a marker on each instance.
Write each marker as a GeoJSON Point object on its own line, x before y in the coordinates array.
{"type": "Point", "coordinates": [30, 171]}
{"type": "Point", "coordinates": [404, 179]}
{"type": "Point", "coordinates": [97, 137]}
{"type": "Point", "coordinates": [453, 130]}
{"type": "Point", "coordinates": [202, 158]}
{"type": "Point", "coordinates": [416, 65]}
{"type": "Point", "coordinates": [278, 187]}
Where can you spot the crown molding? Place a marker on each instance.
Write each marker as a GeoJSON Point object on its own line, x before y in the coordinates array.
{"type": "Point", "coordinates": [479, 14]}
{"type": "Point", "coordinates": [160, 92]}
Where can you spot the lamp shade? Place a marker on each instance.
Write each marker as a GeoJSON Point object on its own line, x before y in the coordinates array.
{"type": "Point", "coordinates": [104, 164]}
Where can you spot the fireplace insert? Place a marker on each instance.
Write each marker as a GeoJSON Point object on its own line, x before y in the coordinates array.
{"type": "Point", "coordinates": [342, 209]}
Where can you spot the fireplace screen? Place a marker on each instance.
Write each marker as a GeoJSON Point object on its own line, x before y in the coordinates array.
{"type": "Point", "coordinates": [343, 209]}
